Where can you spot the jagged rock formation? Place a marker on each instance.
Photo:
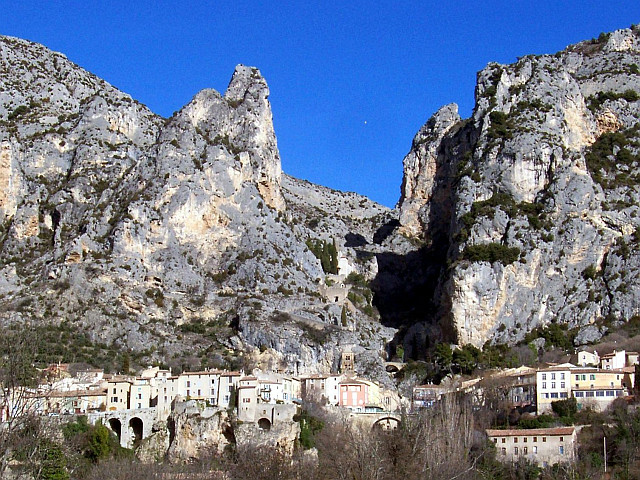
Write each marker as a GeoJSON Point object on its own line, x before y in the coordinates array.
{"type": "Point", "coordinates": [177, 238]}
{"type": "Point", "coordinates": [535, 197]}
{"type": "Point", "coordinates": [181, 240]}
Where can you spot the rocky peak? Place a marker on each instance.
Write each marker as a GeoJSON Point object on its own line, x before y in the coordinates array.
{"type": "Point", "coordinates": [420, 167]}
{"type": "Point", "coordinates": [242, 122]}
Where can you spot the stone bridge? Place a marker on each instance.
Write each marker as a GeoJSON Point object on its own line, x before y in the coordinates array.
{"type": "Point", "coordinates": [383, 420]}
{"type": "Point", "coordinates": [130, 426]}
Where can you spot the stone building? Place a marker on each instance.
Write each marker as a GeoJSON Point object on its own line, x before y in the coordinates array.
{"type": "Point", "coordinates": [543, 446]}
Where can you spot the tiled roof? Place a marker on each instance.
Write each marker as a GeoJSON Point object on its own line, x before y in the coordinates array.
{"type": "Point", "coordinates": [531, 431]}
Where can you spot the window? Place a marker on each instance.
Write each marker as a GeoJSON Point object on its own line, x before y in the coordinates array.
{"type": "Point", "coordinates": [535, 450]}
{"type": "Point", "coordinates": [588, 394]}
{"type": "Point", "coordinates": [562, 376]}
{"type": "Point", "coordinates": [562, 439]}
{"type": "Point", "coordinates": [600, 393]}
{"type": "Point", "coordinates": [583, 377]}
{"type": "Point", "coordinates": [554, 395]}
{"type": "Point", "coordinates": [504, 451]}
{"type": "Point", "coordinates": [114, 390]}
{"type": "Point", "coordinates": [610, 393]}
{"type": "Point", "coordinates": [562, 385]}
{"type": "Point", "coordinates": [495, 440]}
{"type": "Point", "coordinates": [553, 376]}
{"type": "Point", "coordinates": [544, 439]}
{"type": "Point", "coordinates": [199, 392]}
{"type": "Point", "coordinates": [525, 450]}
{"type": "Point", "coordinates": [544, 384]}
{"type": "Point", "coordinates": [561, 449]}
{"type": "Point", "coordinates": [544, 376]}
{"type": "Point", "coordinates": [515, 439]}
{"type": "Point", "coordinates": [515, 450]}
{"type": "Point", "coordinates": [525, 439]}
{"type": "Point", "coordinates": [592, 376]}
{"type": "Point", "coordinates": [578, 394]}
{"type": "Point", "coordinates": [535, 439]}
{"type": "Point", "coordinates": [563, 395]}
{"type": "Point", "coordinates": [553, 385]}
{"type": "Point", "coordinates": [577, 377]}
{"type": "Point", "coordinates": [503, 440]}
{"type": "Point", "coordinates": [188, 383]}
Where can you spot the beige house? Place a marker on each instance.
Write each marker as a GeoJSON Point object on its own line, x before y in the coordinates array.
{"type": "Point", "coordinates": [588, 359]}
{"type": "Point", "coordinates": [543, 446]}
{"type": "Point", "coordinates": [118, 389]}
{"type": "Point", "coordinates": [75, 401]}
{"type": "Point", "coordinates": [617, 360]}
{"type": "Point", "coordinates": [322, 387]}
{"type": "Point", "coordinates": [211, 386]}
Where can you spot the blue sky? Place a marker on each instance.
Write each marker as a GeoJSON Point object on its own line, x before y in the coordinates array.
{"type": "Point", "coordinates": [351, 82]}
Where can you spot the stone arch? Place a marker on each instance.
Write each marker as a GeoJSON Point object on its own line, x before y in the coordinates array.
{"type": "Point", "coordinates": [387, 423]}
{"type": "Point", "coordinates": [137, 428]}
{"type": "Point", "coordinates": [116, 426]}
{"type": "Point", "coordinates": [264, 424]}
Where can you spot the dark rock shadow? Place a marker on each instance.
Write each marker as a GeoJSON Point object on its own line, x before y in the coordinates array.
{"type": "Point", "coordinates": [408, 289]}
{"type": "Point", "coordinates": [383, 232]}
{"type": "Point", "coordinates": [354, 240]}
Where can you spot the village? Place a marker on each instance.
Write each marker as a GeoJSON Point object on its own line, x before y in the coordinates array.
{"type": "Point", "coordinates": [130, 405]}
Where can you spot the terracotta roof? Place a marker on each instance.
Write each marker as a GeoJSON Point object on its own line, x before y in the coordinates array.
{"type": "Point", "coordinates": [353, 382]}
{"type": "Point", "coordinates": [77, 393]}
{"type": "Point", "coordinates": [617, 387]}
{"type": "Point", "coordinates": [595, 370]}
{"type": "Point", "coordinates": [206, 372]}
{"type": "Point", "coordinates": [531, 431]}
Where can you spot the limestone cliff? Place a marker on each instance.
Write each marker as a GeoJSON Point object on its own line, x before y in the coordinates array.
{"type": "Point", "coordinates": [178, 239]}
{"type": "Point", "coordinates": [536, 195]}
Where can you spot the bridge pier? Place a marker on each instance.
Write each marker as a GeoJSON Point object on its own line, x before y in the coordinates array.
{"type": "Point", "coordinates": [130, 426]}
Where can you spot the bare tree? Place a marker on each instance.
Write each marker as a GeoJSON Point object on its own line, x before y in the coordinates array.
{"type": "Point", "coordinates": [18, 396]}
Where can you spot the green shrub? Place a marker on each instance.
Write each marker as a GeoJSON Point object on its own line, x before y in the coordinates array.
{"type": "Point", "coordinates": [491, 252]}
{"type": "Point", "coordinates": [590, 273]}
{"type": "Point", "coordinates": [565, 408]}
{"type": "Point", "coordinates": [595, 101]}
{"type": "Point", "coordinates": [501, 126]}
{"type": "Point", "coordinates": [309, 427]}
{"type": "Point", "coordinates": [20, 110]}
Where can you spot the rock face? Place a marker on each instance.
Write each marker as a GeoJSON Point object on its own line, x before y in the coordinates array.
{"type": "Point", "coordinates": [536, 195]}
{"type": "Point", "coordinates": [178, 239]}
{"type": "Point", "coordinates": [181, 241]}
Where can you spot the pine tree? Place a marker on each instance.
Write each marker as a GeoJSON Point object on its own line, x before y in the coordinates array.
{"type": "Point", "coordinates": [343, 316]}
{"type": "Point", "coordinates": [333, 251]}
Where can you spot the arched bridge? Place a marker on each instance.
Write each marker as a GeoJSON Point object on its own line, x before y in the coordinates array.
{"type": "Point", "coordinates": [383, 420]}
{"type": "Point", "coordinates": [130, 426]}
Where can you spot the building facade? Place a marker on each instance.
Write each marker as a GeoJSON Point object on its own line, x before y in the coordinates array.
{"type": "Point", "coordinates": [543, 446]}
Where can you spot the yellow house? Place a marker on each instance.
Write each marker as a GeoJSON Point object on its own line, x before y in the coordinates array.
{"type": "Point", "coordinates": [597, 388]}
{"type": "Point", "coordinates": [118, 394]}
